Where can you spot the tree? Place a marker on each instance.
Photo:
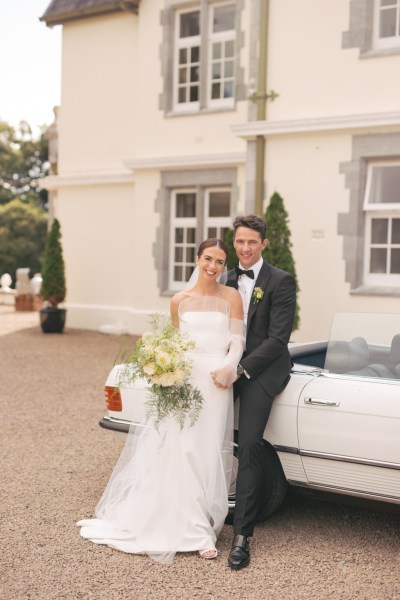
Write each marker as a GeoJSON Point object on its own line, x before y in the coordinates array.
{"type": "Point", "coordinates": [22, 236]}
{"type": "Point", "coordinates": [23, 161]}
{"type": "Point", "coordinates": [232, 259]}
{"type": "Point", "coordinates": [53, 287]}
{"type": "Point", "coordinates": [278, 251]}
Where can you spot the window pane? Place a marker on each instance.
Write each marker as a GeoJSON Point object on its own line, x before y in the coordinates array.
{"type": "Point", "coordinates": [195, 54]}
{"type": "Point", "coordinates": [178, 254]}
{"type": "Point", "coordinates": [395, 260]}
{"type": "Point", "coordinates": [189, 24]}
{"type": "Point", "coordinates": [190, 235]}
{"type": "Point", "coordinates": [219, 205]}
{"type": "Point", "coordinates": [178, 273]}
{"type": "Point", "coordinates": [216, 70]}
{"type": "Point", "coordinates": [188, 272]}
{"type": "Point", "coordinates": [228, 89]}
{"type": "Point", "coordinates": [396, 231]}
{"type": "Point", "coordinates": [215, 90]}
{"type": "Point", "coordinates": [179, 235]}
{"type": "Point", "coordinates": [223, 232]}
{"type": "Point", "coordinates": [194, 74]}
{"type": "Point", "coordinates": [190, 254]}
{"type": "Point", "coordinates": [387, 26]}
{"type": "Point", "coordinates": [182, 75]}
{"type": "Point", "coordinates": [229, 68]}
{"type": "Point", "coordinates": [229, 49]}
{"type": "Point", "coordinates": [378, 260]}
{"type": "Point", "coordinates": [216, 50]}
{"type": "Point", "coordinates": [388, 2]}
{"type": "Point", "coordinates": [182, 95]}
{"type": "Point", "coordinates": [194, 93]}
{"type": "Point", "coordinates": [224, 18]}
{"type": "Point", "coordinates": [185, 205]}
{"type": "Point", "coordinates": [379, 231]}
{"type": "Point", "coordinates": [183, 56]}
{"type": "Point", "coordinates": [212, 232]}
{"type": "Point", "coordinates": [385, 184]}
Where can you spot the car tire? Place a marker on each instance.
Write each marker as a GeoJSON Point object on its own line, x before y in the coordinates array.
{"type": "Point", "coordinates": [274, 485]}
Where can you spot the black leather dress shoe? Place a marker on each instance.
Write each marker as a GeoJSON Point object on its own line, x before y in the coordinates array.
{"type": "Point", "coordinates": [239, 556]}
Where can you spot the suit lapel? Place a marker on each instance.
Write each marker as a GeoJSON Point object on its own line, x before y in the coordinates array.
{"type": "Point", "coordinates": [262, 281]}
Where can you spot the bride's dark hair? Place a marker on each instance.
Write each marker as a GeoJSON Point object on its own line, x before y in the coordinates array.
{"type": "Point", "coordinates": [212, 243]}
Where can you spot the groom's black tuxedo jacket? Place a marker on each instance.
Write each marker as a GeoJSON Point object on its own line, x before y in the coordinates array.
{"type": "Point", "coordinates": [269, 326]}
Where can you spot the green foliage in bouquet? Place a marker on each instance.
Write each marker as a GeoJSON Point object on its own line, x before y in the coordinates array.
{"type": "Point", "coordinates": [160, 357]}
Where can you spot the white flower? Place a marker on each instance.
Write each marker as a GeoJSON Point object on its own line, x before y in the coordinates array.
{"type": "Point", "coordinates": [167, 379]}
{"type": "Point", "coordinates": [149, 368]}
{"type": "Point", "coordinates": [163, 359]}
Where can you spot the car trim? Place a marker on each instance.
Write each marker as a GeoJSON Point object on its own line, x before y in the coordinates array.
{"type": "Point", "coordinates": [123, 426]}
{"type": "Point", "coordinates": [350, 459]}
{"type": "Point", "coordinates": [119, 425]}
{"type": "Point", "coordinates": [349, 376]}
{"type": "Point", "coordinates": [345, 491]}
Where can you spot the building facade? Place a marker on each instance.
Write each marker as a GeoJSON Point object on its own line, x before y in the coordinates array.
{"type": "Point", "coordinates": [173, 112]}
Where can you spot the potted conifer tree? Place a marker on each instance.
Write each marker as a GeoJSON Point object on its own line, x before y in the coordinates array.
{"type": "Point", "coordinates": [279, 250]}
{"type": "Point", "coordinates": [53, 290]}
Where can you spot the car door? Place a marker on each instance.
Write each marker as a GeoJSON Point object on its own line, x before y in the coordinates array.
{"type": "Point", "coordinates": [349, 435]}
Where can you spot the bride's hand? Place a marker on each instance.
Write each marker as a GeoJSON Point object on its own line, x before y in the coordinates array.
{"type": "Point", "coordinates": [223, 382]}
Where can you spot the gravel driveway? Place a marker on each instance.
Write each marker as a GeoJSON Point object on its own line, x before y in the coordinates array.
{"type": "Point", "coordinates": [55, 462]}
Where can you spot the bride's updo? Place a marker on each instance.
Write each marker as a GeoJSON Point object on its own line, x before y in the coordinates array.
{"type": "Point", "coordinates": [212, 243]}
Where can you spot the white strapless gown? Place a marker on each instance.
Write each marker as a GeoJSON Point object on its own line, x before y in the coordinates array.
{"type": "Point", "coordinates": [169, 490]}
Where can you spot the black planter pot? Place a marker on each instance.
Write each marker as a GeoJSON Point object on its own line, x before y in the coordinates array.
{"type": "Point", "coordinates": [52, 320]}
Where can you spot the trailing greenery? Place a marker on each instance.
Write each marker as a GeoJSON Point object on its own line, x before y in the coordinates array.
{"type": "Point", "coordinates": [53, 287]}
{"type": "Point", "coordinates": [278, 251]}
{"type": "Point", "coordinates": [22, 236]}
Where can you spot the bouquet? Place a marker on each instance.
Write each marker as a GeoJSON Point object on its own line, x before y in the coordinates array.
{"type": "Point", "coordinates": [160, 357]}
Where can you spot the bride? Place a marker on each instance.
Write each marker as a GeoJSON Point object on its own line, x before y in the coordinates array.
{"type": "Point", "coordinates": [169, 490]}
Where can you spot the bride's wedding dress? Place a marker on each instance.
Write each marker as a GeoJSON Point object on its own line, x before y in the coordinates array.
{"type": "Point", "coordinates": [169, 490]}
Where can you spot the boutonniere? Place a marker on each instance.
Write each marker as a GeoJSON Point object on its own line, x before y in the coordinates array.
{"type": "Point", "coordinates": [258, 295]}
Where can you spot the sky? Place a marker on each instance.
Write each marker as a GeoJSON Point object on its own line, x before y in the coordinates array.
{"type": "Point", "coordinates": [30, 64]}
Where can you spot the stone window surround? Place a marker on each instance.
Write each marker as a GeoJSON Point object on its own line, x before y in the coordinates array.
{"type": "Point", "coordinates": [351, 225]}
{"type": "Point", "coordinates": [166, 54]}
{"type": "Point", "coordinates": [200, 179]}
{"type": "Point", "coordinates": [361, 30]}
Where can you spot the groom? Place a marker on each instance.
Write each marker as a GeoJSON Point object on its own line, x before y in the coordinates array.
{"type": "Point", "coordinates": [269, 300]}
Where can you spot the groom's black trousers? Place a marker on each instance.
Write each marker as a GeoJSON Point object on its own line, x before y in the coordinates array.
{"type": "Point", "coordinates": [255, 406]}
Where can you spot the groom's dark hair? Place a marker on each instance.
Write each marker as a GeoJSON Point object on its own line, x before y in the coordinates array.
{"type": "Point", "coordinates": [251, 222]}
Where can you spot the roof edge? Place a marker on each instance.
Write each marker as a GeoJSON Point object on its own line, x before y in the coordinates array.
{"type": "Point", "coordinates": [91, 11]}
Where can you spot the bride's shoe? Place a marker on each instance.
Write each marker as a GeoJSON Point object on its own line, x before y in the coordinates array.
{"type": "Point", "coordinates": [209, 554]}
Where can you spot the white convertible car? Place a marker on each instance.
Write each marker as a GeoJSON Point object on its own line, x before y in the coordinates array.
{"type": "Point", "coordinates": [336, 426]}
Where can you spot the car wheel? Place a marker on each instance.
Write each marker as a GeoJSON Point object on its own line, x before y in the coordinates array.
{"type": "Point", "coordinates": [274, 485]}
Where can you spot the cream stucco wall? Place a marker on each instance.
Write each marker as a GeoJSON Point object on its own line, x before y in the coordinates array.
{"type": "Point", "coordinates": [116, 139]}
{"type": "Point", "coordinates": [304, 169]}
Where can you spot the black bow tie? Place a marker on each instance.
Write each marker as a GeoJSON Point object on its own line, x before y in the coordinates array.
{"type": "Point", "coordinates": [249, 273]}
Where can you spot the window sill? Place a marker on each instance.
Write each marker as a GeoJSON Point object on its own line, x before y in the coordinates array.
{"type": "Point", "coordinates": [372, 290]}
{"type": "Point", "coordinates": [200, 111]}
{"type": "Point", "coordinates": [377, 52]}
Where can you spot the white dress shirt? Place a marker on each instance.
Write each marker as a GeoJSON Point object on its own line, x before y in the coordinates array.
{"type": "Point", "coordinates": [246, 287]}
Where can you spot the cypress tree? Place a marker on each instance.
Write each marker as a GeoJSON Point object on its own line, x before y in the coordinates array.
{"type": "Point", "coordinates": [278, 252]}
{"type": "Point", "coordinates": [53, 272]}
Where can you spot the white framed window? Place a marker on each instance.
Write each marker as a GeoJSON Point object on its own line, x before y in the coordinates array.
{"type": "Point", "coordinates": [204, 70]}
{"type": "Point", "coordinates": [217, 214]}
{"type": "Point", "coordinates": [382, 231]}
{"type": "Point", "coordinates": [196, 214]}
{"type": "Point", "coordinates": [386, 24]}
{"type": "Point", "coordinates": [183, 237]}
{"type": "Point", "coordinates": [222, 51]}
{"type": "Point", "coordinates": [187, 60]}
